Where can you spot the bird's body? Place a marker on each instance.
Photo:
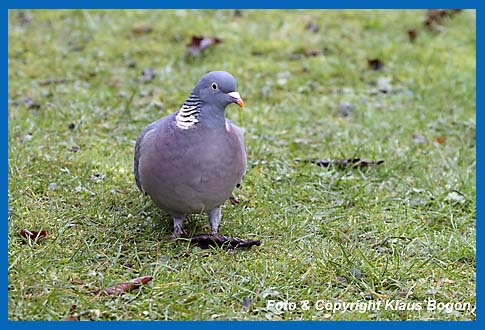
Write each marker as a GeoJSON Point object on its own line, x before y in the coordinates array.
{"type": "Point", "coordinates": [190, 161]}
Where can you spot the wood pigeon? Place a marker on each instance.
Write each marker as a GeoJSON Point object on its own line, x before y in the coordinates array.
{"type": "Point", "coordinates": [190, 161]}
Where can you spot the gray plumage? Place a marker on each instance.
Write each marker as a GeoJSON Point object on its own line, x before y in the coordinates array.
{"type": "Point", "coordinates": [190, 161]}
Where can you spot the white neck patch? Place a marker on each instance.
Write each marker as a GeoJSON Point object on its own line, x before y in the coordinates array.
{"type": "Point", "coordinates": [187, 117]}
{"type": "Point", "coordinates": [189, 113]}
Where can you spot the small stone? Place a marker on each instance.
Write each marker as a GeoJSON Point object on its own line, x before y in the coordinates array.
{"type": "Point", "coordinates": [356, 273]}
{"type": "Point", "coordinates": [246, 302]}
{"type": "Point", "coordinates": [384, 84]}
{"type": "Point", "coordinates": [455, 197]}
{"type": "Point", "coordinates": [345, 109]}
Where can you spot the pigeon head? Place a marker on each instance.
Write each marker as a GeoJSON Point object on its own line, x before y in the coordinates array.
{"type": "Point", "coordinates": [218, 88]}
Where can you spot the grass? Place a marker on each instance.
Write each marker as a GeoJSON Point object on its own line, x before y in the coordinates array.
{"type": "Point", "coordinates": [403, 230]}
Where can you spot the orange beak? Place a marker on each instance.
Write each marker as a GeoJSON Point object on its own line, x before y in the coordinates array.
{"type": "Point", "coordinates": [236, 98]}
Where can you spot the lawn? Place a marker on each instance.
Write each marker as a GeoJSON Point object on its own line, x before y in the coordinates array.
{"type": "Point", "coordinates": [391, 238]}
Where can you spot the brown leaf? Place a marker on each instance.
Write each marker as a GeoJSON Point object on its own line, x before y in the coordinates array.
{"type": "Point", "coordinates": [412, 34]}
{"type": "Point", "coordinates": [73, 317]}
{"type": "Point", "coordinates": [207, 240]}
{"type": "Point", "coordinates": [141, 29]}
{"type": "Point", "coordinates": [346, 162]}
{"type": "Point", "coordinates": [436, 16]}
{"type": "Point", "coordinates": [33, 234]}
{"type": "Point", "coordinates": [312, 27]}
{"type": "Point", "coordinates": [121, 288]}
{"type": "Point", "coordinates": [51, 81]}
{"type": "Point", "coordinates": [200, 43]}
{"type": "Point", "coordinates": [375, 63]}
{"type": "Point", "coordinates": [440, 139]}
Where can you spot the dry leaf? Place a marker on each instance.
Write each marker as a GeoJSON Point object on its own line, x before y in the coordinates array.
{"type": "Point", "coordinates": [142, 28]}
{"type": "Point", "coordinates": [412, 34]}
{"type": "Point", "coordinates": [200, 43]}
{"type": "Point", "coordinates": [33, 235]}
{"type": "Point", "coordinates": [51, 81]}
{"type": "Point", "coordinates": [121, 288]}
{"type": "Point", "coordinates": [375, 63]}
{"type": "Point", "coordinates": [440, 139]}
{"type": "Point", "coordinates": [73, 317]}
{"type": "Point", "coordinates": [353, 162]}
{"type": "Point", "coordinates": [436, 16]}
{"type": "Point", "coordinates": [207, 240]}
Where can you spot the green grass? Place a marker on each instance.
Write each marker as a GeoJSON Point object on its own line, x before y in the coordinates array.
{"type": "Point", "coordinates": [396, 231]}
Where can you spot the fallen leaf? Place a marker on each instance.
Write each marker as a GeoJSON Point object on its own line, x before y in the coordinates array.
{"type": "Point", "coordinates": [207, 240]}
{"type": "Point", "coordinates": [200, 43]}
{"type": "Point", "coordinates": [121, 288]}
{"type": "Point", "coordinates": [435, 17]}
{"type": "Point", "coordinates": [33, 235]}
{"type": "Point", "coordinates": [142, 28]}
{"type": "Point", "coordinates": [412, 34]}
{"type": "Point", "coordinates": [312, 27]}
{"type": "Point", "coordinates": [353, 162]}
{"type": "Point", "coordinates": [73, 317]}
{"type": "Point", "coordinates": [375, 63]}
{"type": "Point", "coordinates": [51, 81]}
{"type": "Point", "coordinates": [440, 139]}
{"type": "Point", "coordinates": [77, 281]}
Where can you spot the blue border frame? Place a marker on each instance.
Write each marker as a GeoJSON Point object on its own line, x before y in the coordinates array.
{"type": "Point", "coordinates": [301, 4]}
{"type": "Point", "coordinates": [140, 4]}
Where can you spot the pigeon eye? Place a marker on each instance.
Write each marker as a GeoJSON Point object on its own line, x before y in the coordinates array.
{"type": "Point", "coordinates": [214, 86]}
